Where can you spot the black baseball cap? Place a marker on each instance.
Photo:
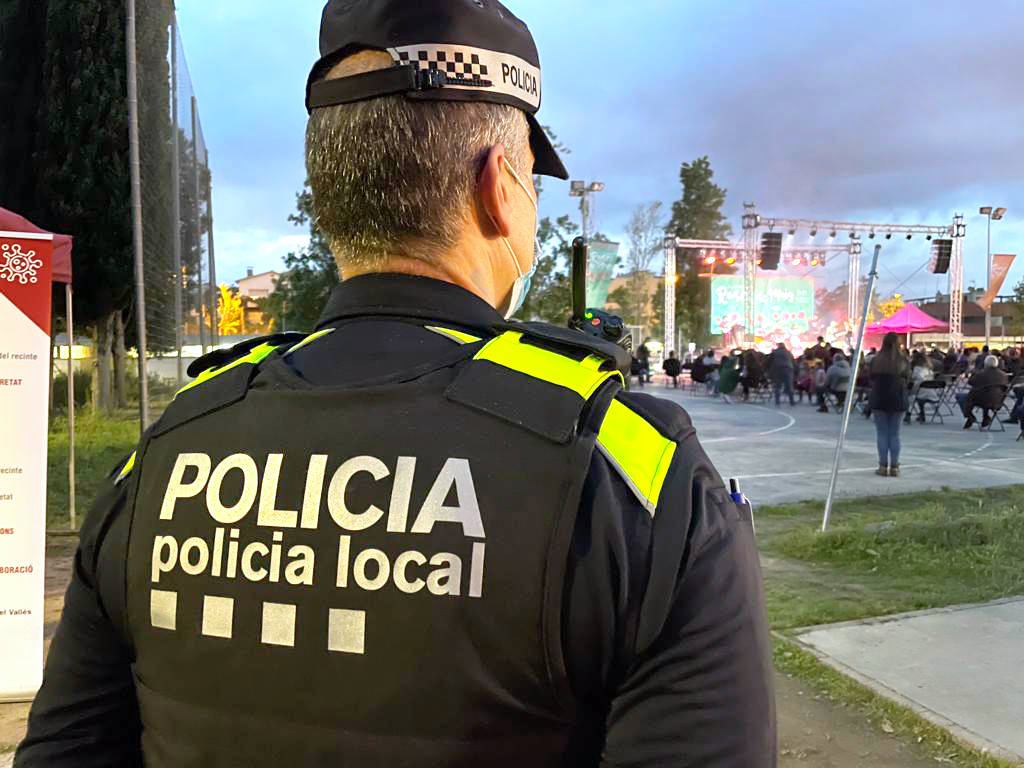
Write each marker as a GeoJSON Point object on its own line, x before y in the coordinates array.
{"type": "Point", "coordinates": [444, 50]}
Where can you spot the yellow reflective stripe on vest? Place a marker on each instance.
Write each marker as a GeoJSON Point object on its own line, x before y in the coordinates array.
{"type": "Point", "coordinates": [583, 378]}
{"type": "Point", "coordinates": [638, 451]}
{"type": "Point", "coordinates": [126, 469]}
{"type": "Point", "coordinates": [451, 333]}
{"type": "Point", "coordinates": [310, 339]}
{"type": "Point", "coordinates": [255, 357]}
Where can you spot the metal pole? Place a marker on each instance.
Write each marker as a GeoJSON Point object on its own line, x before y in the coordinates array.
{"type": "Point", "coordinates": [71, 408]}
{"type": "Point", "coordinates": [670, 298]}
{"type": "Point", "coordinates": [176, 186]}
{"type": "Point", "coordinates": [136, 181]}
{"type": "Point", "coordinates": [214, 329]}
{"type": "Point", "coordinates": [585, 209]}
{"type": "Point", "coordinates": [988, 285]}
{"type": "Point", "coordinates": [851, 389]}
{"type": "Point", "coordinates": [199, 224]}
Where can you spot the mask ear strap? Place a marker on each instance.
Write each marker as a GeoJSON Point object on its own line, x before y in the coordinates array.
{"type": "Point", "coordinates": [521, 183]}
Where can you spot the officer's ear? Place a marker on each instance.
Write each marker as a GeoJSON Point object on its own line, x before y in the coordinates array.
{"type": "Point", "coordinates": [495, 194]}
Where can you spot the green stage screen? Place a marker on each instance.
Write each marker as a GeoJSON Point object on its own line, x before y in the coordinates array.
{"type": "Point", "coordinates": [782, 304]}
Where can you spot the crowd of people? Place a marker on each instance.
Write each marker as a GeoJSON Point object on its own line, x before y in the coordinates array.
{"type": "Point", "coordinates": [894, 384]}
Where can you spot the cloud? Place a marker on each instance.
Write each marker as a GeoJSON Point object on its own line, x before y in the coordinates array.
{"type": "Point", "coordinates": [861, 111]}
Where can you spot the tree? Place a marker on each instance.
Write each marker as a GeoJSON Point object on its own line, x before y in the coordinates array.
{"type": "Point", "coordinates": [229, 312]}
{"type": "Point", "coordinates": [645, 234]}
{"type": "Point", "coordinates": [1017, 321]}
{"type": "Point", "coordinates": [697, 215]}
{"type": "Point", "coordinates": [892, 305]}
{"type": "Point", "coordinates": [550, 297]}
{"type": "Point", "coordinates": [310, 274]}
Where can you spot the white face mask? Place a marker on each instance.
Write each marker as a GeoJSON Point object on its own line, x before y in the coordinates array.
{"type": "Point", "coordinates": [521, 287]}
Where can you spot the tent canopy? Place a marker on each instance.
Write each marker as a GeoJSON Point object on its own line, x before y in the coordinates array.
{"type": "Point", "coordinates": [12, 222]}
{"type": "Point", "coordinates": [910, 319]}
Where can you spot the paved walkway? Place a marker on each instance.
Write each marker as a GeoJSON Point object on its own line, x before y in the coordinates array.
{"type": "Point", "coordinates": [959, 667]}
{"type": "Point", "coordinates": [785, 454]}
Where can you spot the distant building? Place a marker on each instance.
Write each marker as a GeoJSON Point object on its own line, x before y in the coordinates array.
{"type": "Point", "coordinates": [257, 286]}
{"type": "Point", "coordinates": [1003, 311]}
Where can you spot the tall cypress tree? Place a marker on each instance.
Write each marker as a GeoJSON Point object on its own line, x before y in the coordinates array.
{"type": "Point", "coordinates": [697, 215]}
{"type": "Point", "coordinates": [22, 33]}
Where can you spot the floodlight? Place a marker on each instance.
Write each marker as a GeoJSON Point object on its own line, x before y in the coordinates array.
{"type": "Point", "coordinates": [986, 210]}
{"type": "Point", "coordinates": [577, 188]}
{"type": "Point", "coordinates": [999, 213]}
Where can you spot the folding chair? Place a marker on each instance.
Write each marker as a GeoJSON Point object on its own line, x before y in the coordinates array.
{"type": "Point", "coordinates": [947, 398]}
{"type": "Point", "coordinates": [994, 418]}
{"type": "Point", "coordinates": [939, 387]}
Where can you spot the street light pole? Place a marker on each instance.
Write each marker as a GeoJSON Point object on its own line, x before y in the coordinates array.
{"type": "Point", "coordinates": [990, 213]}
{"type": "Point", "coordinates": [583, 190]}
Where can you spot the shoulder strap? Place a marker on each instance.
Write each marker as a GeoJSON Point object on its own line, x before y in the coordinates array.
{"type": "Point", "coordinates": [637, 450]}
{"type": "Point", "coordinates": [536, 387]}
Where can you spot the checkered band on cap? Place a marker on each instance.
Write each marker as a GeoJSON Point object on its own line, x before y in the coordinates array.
{"type": "Point", "coordinates": [473, 68]}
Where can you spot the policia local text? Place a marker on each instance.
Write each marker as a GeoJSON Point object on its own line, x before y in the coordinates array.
{"type": "Point", "coordinates": [225, 555]}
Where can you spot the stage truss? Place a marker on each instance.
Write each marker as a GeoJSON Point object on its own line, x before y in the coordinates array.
{"type": "Point", "coordinates": [753, 223]}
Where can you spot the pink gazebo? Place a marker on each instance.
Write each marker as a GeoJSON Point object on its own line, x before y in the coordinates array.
{"type": "Point", "coordinates": [908, 320]}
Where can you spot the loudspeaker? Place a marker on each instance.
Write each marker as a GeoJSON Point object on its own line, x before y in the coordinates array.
{"type": "Point", "coordinates": [942, 252]}
{"type": "Point", "coordinates": [771, 250]}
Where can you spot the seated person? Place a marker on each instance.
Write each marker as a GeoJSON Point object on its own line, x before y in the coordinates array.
{"type": "Point", "coordinates": [1017, 412]}
{"type": "Point", "coordinates": [804, 379]}
{"type": "Point", "coordinates": [921, 371]}
{"type": "Point", "coordinates": [988, 387]}
{"type": "Point", "coordinates": [672, 368]}
{"type": "Point", "coordinates": [837, 379]}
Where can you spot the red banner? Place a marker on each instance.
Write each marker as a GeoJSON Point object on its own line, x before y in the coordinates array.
{"type": "Point", "coordinates": [1001, 263]}
{"type": "Point", "coordinates": [25, 273]}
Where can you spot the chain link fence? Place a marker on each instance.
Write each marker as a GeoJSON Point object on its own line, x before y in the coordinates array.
{"type": "Point", "coordinates": [179, 275]}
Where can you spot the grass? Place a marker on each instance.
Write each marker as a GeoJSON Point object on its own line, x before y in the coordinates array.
{"type": "Point", "coordinates": [886, 715]}
{"type": "Point", "coordinates": [101, 443]}
{"type": "Point", "coordinates": [888, 555]}
{"type": "Point", "coordinates": [891, 554]}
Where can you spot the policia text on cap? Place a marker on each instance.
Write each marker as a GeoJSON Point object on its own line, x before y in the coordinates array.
{"type": "Point", "coordinates": [422, 535]}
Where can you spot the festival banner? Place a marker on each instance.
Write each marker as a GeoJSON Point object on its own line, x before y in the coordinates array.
{"type": "Point", "coordinates": [602, 257]}
{"type": "Point", "coordinates": [25, 276]}
{"type": "Point", "coordinates": [783, 306]}
{"type": "Point", "coordinates": [1001, 263]}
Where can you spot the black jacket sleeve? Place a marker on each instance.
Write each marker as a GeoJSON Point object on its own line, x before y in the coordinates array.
{"type": "Point", "coordinates": [86, 714]}
{"type": "Point", "coordinates": [690, 683]}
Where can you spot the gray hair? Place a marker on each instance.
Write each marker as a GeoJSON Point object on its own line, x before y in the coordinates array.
{"type": "Point", "coordinates": [991, 361]}
{"type": "Point", "coordinates": [393, 177]}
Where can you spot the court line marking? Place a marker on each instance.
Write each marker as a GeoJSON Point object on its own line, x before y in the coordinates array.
{"type": "Point", "coordinates": [783, 428]}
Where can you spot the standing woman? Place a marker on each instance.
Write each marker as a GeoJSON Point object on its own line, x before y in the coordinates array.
{"type": "Point", "coordinates": [890, 373]}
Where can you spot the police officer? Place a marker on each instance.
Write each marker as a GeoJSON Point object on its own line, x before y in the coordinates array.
{"type": "Point", "coordinates": [422, 535]}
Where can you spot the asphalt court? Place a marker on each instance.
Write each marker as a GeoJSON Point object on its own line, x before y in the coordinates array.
{"type": "Point", "coordinates": [785, 454]}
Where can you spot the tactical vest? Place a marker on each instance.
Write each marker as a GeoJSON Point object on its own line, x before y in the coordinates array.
{"type": "Point", "coordinates": [369, 576]}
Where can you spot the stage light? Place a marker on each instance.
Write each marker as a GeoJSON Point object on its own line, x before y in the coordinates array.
{"type": "Point", "coordinates": [929, 237]}
{"type": "Point", "coordinates": [731, 260]}
{"type": "Point", "coordinates": [872, 235]}
{"type": "Point", "coordinates": [814, 233]}
{"type": "Point", "coordinates": [814, 262]}
{"type": "Point", "coordinates": [792, 232]}
{"type": "Point", "coordinates": [710, 259]}
{"type": "Point", "coordinates": [853, 235]}
{"type": "Point", "coordinates": [888, 235]}
{"type": "Point", "coordinates": [832, 234]}
{"type": "Point", "coordinates": [910, 237]}
{"type": "Point", "coordinates": [796, 261]}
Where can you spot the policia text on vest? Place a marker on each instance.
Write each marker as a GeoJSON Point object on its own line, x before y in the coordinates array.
{"type": "Point", "coordinates": [270, 555]}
